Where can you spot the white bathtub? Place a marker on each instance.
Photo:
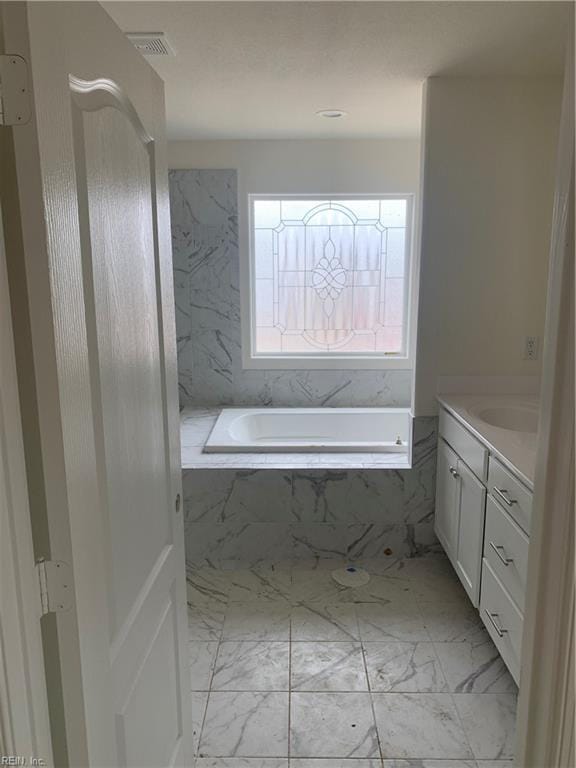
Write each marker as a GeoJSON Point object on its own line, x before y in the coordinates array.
{"type": "Point", "coordinates": [311, 430]}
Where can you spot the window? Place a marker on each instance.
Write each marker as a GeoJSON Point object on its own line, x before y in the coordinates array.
{"type": "Point", "coordinates": [329, 279]}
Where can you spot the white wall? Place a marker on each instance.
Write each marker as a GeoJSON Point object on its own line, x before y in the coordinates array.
{"type": "Point", "coordinates": [488, 177]}
{"type": "Point", "coordinates": [329, 166]}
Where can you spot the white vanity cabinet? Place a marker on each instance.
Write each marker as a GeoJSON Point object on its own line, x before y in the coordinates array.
{"type": "Point", "coordinates": [483, 523]}
{"type": "Point", "coordinates": [460, 502]}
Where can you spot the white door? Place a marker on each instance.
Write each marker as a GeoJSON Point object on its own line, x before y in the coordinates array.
{"type": "Point", "coordinates": [447, 497]}
{"type": "Point", "coordinates": [470, 532]}
{"type": "Point", "coordinates": [104, 446]}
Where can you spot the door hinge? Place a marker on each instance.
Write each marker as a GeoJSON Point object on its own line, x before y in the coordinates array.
{"type": "Point", "coordinates": [15, 103]}
{"type": "Point", "coordinates": [55, 586]}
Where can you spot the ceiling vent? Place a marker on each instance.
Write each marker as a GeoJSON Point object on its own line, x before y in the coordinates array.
{"type": "Point", "coordinates": [151, 43]}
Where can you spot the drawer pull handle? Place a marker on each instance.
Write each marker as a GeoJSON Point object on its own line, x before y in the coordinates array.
{"type": "Point", "coordinates": [501, 552]}
{"type": "Point", "coordinates": [454, 474]}
{"type": "Point", "coordinates": [501, 493]}
{"type": "Point", "coordinates": [500, 631]}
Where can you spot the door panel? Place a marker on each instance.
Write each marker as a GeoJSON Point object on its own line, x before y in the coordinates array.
{"type": "Point", "coordinates": [447, 489]}
{"type": "Point", "coordinates": [470, 532]}
{"type": "Point", "coordinates": [92, 179]}
{"type": "Point", "coordinates": [117, 212]}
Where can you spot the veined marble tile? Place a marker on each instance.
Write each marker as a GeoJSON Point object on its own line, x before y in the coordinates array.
{"type": "Point", "coordinates": [260, 583]}
{"type": "Point", "coordinates": [420, 725]}
{"type": "Point", "coordinates": [404, 668]}
{"type": "Point", "coordinates": [199, 701]}
{"type": "Point", "coordinates": [417, 763]}
{"type": "Point", "coordinates": [318, 540]}
{"type": "Point", "coordinates": [245, 542]}
{"type": "Point", "coordinates": [452, 622]}
{"type": "Point", "coordinates": [489, 720]}
{"type": "Point", "coordinates": [380, 589]}
{"type": "Point", "coordinates": [316, 621]}
{"type": "Point", "coordinates": [257, 621]}
{"type": "Point", "coordinates": [322, 666]}
{"type": "Point", "coordinates": [335, 763]}
{"type": "Point", "coordinates": [332, 725]}
{"type": "Point", "coordinates": [433, 580]}
{"type": "Point", "coordinates": [245, 725]}
{"type": "Point", "coordinates": [242, 762]}
{"type": "Point", "coordinates": [495, 763]}
{"type": "Point", "coordinates": [252, 666]}
{"type": "Point", "coordinates": [316, 587]}
{"type": "Point", "coordinates": [205, 622]}
{"type": "Point", "coordinates": [206, 586]}
{"type": "Point", "coordinates": [475, 667]}
{"type": "Point", "coordinates": [399, 620]}
{"type": "Point", "coordinates": [201, 655]}
{"type": "Point", "coordinates": [319, 496]}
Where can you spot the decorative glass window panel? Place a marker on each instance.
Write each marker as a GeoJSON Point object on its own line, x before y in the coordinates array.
{"type": "Point", "coordinates": [329, 276]}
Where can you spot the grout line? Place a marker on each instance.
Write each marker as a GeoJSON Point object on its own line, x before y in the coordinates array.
{"type": "Point", "coordinates": [380, 750]}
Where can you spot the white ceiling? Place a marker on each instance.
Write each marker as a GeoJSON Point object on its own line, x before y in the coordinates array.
{"type": "Point", "coordinates": [262, 69]}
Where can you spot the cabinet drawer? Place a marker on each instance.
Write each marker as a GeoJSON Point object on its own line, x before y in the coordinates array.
{"type": "Point", "coordinates": [470, 450]}
{"type": "Point", "coordinates": [506, 549]}
{"type": "Point", "coordinates": [502, 619]}
{"type": "Point", "coordinates": [514, 497]}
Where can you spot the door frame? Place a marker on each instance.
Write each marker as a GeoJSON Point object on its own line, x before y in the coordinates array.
{"type": "Point", "coordinates": [546, 705]}
{"type": "Point", "coordinates": [24, 716]}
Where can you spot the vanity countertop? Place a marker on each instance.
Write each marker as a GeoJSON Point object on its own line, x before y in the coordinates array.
{"type": "Point", "coordinates": [516, 450]}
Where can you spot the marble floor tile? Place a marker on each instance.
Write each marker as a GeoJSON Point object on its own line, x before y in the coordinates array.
{"type": "Point", "coordinates": [205, 586]}
{"type": "Point", "coordinates": [489, 720]}
{"type": "Point", "coordinates": [257, 621]}
{"type": "Point", "coordinates": [417, 763]}
{"type": "Point", "coordinates": [246, 666]}
{"type": "Point", "coordinates": [404, 668]}
{"type": "Point", "coordinates": [434, 580]}
{"type": "Point", "coordinates": [474, 667]}
{"type": "Point", "coordinates": [327, 667]}
{"type": "Point", "coordinates": [199, 701]}
{"type": "Point", "coordinates": [205, 623]}
{"type": "Point", "coordinates": [316, 586]}
{"type": "Point", "coordinates": [380, 589]}
{"type": "Point", "coordinates": [393, 621]}
{"type": "Point", "coordinates": [419, 725]}
{"type": "Point", "coordinates": [316, 621]}
{"type": "Point", "coordinates": [259, 584]}
{"type": "Point", "coordinates": [334, 763]}
{"type": "Point", "coordinates": [332, 725]}
{"type": "Point", "coordinates": [452, 622]}
{"type": "Point", "coordinates": [241, 762]}
{"type": "Point", "coordinates": [495, 764]}
{"type": "Point", "coordinates": [201, 655]}
{"type": "Point", "coordinates": [245, 725]}
{"type": "Point", "coordinates": [318, 563]}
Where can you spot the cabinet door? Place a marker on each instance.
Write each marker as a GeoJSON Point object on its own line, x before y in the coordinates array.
{"type": "Point", "coordinates": [470, 531]}
{"type": "Point", "coordinates": [447, 493]}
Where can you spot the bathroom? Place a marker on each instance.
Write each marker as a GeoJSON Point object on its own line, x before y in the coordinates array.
{"type": "Point", "coordinates": [289, 667]}
{"type": "Point", "coordinates": [372, 295]}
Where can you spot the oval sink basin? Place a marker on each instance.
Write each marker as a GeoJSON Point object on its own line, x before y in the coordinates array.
{"type": "Point", "coordinates": [513, 417]}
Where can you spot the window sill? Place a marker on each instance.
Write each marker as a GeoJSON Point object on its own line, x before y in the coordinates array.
{"type": "Point", "coordinates": [274, 362]}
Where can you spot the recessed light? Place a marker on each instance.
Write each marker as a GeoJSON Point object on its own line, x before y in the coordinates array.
{"type": "Point", "coordinates": [331, 114]}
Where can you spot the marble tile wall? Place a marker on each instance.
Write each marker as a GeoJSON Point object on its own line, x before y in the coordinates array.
{"type": "Point", "coordinates": [238, 517]}
{"type": "Point", "coordinates": [204, 210]}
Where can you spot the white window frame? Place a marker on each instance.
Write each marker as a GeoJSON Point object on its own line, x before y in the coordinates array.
{"type": "Point", "coordinates": [328, 361]}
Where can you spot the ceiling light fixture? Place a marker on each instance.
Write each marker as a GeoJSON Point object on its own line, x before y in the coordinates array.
{"type": "Point", "coordinates": [331, 114]}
